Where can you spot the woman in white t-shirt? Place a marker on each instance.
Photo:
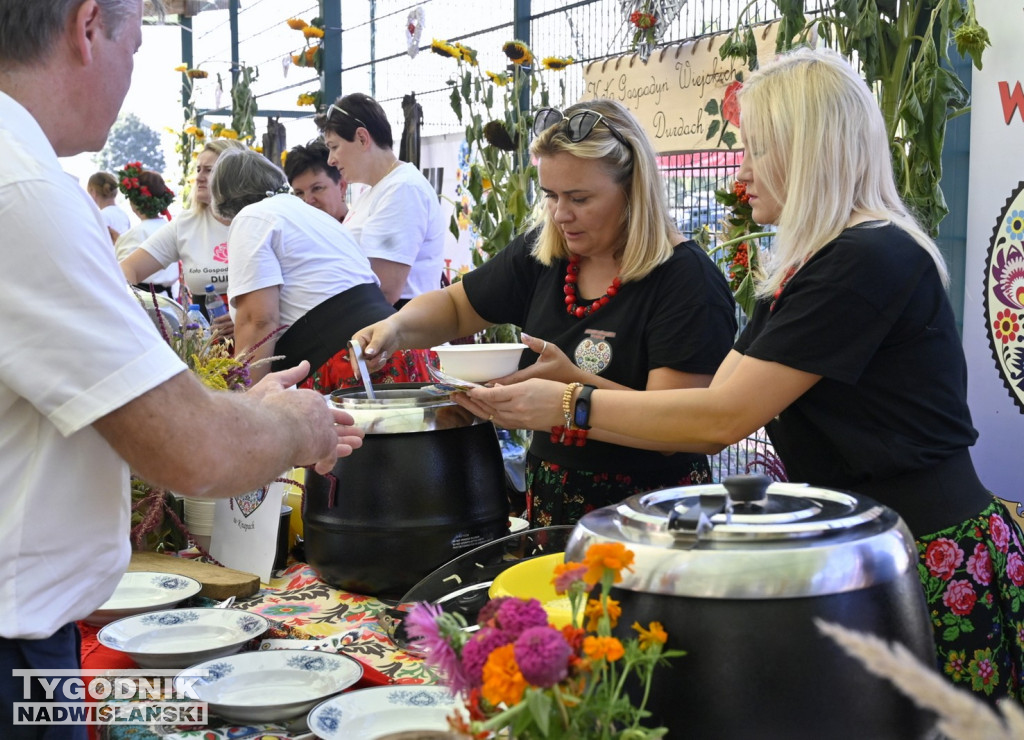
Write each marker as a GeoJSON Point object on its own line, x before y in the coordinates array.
{"type": "Point", "coordinates": [292, 265]}
{"type": "Point", "coordinates": [102, 188]}
{"type": "Point", "coordinates": [196, 237]}
{"type": "Point", "coordinates": [149, 198]}
{"type": "Point", "coordinates": [398, 222]}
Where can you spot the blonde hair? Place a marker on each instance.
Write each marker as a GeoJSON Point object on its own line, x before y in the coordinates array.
{"type": "Point", "coordinates": [218, 147]}
{"type": "Point", "coordinates": [648, 226]}
{"type": "Point", "coordinates": [822, 152]}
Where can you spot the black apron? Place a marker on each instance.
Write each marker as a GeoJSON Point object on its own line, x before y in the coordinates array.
{"type": "Point", "coordinates": [326, 328]}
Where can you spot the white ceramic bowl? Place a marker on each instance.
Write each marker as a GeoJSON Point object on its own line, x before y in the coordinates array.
{"type": "Point", "coordinates": [178, 638]}
{"type": "Point", "coordinates": [381, 710]}
{"type": "Point", "coordinates": [479, 362]}
{"type": "Point", "coordinates": [269, 685]}
{"type": "Point", "coordinates": [144, 591]}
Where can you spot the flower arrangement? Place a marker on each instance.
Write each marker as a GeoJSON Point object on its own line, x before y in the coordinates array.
{"type": "Point", "coordinates": [313, 33]}
{"type": "Point", "coordinates": [643, 22]}
{"type": "Point", "coordinates": [736, 253]}
{"type": "Point", "coordinates": [139, 194]}
{"type": "Point", "coordinates": [522, 673]}
{"type": "Point", "coordinates": [499, 178]}
{"type": "Point", "coordinates": [154, 523]}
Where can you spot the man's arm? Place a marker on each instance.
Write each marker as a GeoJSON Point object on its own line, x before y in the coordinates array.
{"type": "Point", "coordinates": [198, 442]}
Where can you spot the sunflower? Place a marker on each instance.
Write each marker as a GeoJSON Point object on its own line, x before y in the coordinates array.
{"type": "Point", "coordinates": [556, 62]}
{"type": "Point", "coordinates": [229, 133]}
{"type": "Point", "coordinates": [297, 23]}
{"type": "Point", "coordinates": [443, 48]}
{"type": "Point", "coordinates": [181, 68]}
{"type": "Point", "coordinates": [197, 74]}
{"type": "Point", "coordinates": [311, 32]}
{"type": "Point", "coordinates": [466, 53]}
{"type": "Point", "coordinates": [499, 78]}
{"type": "Point", "coordinates": [497, 136]}
{"type": "Point", "coordinates": [518, 52]}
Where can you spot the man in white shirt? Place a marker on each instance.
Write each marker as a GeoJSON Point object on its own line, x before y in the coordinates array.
{"type": "Point", "coordinates": [87, 385]}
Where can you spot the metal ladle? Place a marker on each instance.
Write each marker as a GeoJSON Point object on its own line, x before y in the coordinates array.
{"type": "Point", "coordinates": [355, 354]}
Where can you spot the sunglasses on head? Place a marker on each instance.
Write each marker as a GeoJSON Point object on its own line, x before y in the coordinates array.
{"type": "Point", "coordinates": [578, 126]}
{"type": "Point", "coordinates": [338, 109]}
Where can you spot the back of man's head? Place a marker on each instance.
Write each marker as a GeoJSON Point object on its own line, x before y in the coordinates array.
{"type": "Point", "coordinates": [29, 29]}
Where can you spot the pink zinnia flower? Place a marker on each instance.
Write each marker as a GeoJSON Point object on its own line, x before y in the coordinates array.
{"type": "Point", "coordinates": [516, 615]}
{"type": "Point", "coordinates": [476, 651]}
{"type": "Point", "coordinates": [422, 626]}
{"type": "Point", "coordinates": [543, 656]}
{"type": "Point", "coordinates": [567, 574]}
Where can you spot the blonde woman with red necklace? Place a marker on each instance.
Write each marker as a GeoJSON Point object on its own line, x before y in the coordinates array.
{"type": "Point", "coordinates": [608, 296]}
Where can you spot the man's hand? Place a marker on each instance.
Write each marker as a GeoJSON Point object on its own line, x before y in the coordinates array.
{"type": "Point", "coordinates": [333, 433]}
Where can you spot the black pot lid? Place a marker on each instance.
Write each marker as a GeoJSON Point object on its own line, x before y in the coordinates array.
{"type": "Point", "coordinates": [749, 539]}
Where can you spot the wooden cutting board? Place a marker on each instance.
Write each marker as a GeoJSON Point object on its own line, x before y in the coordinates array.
{"type": "Point", "coordinates": [218, 582]}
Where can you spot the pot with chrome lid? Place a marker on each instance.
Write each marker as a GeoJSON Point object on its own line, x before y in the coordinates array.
{"type": "Point", "coordinates": [737, 574]}
{"type": "Point", "coordinates": [427, 485]}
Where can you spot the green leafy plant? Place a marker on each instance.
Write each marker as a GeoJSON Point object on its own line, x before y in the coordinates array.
{"type": "Point", "coordinates": [902, 47]}
{"type": "Point", "coordinates": [496, 109]}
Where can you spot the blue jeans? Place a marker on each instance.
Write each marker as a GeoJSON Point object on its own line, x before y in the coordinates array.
{"type": "Point", "coordinates": [59, 651]}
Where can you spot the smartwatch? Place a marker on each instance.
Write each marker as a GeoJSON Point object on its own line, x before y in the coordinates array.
{"type": "Point", "coordinates": [581, 412]}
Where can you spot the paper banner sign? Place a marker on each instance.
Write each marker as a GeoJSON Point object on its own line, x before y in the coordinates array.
{"type": "Point", "coordinates": [684, 94]}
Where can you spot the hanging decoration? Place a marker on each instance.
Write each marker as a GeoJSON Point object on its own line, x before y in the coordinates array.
{"type": "Point", "coordinates": [647, 21]}
{"type": "Point", "coordinates": [313, 33]}
{"type": "Point", "coordinates": [413, 30]}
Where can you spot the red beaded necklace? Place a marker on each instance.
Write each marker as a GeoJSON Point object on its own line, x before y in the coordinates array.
{"type": "Point", "coordinates": [572, 273]}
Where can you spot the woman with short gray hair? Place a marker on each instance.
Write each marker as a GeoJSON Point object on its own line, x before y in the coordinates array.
{"type": "Point", "coordinates": [291, 265]}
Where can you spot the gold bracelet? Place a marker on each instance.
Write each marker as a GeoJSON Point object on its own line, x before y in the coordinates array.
{"type": "Point", "coordinates": [567, 403]}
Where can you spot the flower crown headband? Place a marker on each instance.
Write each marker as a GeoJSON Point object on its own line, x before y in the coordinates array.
{"type": "Point", "coordinates": [141, 196]}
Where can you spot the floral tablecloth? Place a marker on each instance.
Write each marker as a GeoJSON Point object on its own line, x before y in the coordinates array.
{"type": "Point", "coordinates": [301, 606]}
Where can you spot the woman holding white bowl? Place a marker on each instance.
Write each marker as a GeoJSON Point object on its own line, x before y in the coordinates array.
{"type": "Point", "coordinates": [608, 296]}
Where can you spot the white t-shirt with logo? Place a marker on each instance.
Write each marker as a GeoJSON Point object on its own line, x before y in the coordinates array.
{"type": "Point", "coordinates": [201, 243]}
{"type": "Point", "coordinates": [400, 219]}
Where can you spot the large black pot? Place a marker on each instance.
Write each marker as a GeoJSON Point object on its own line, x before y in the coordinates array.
{"type": "Point", "coordinates": [740, 593]}
{"type": "Point", "coordinates": [427, 485]}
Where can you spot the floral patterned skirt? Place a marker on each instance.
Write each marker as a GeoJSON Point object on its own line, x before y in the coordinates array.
{"type": "Point", "coordinates": [973, 576]}
{"type": "Point", "coordinates": [405, 366]}
{"type": "Point", "coordinates": [559, 495]}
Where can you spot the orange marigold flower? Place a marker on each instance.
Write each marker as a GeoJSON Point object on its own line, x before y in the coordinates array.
{"type": "Point", "coordinates": [503, 682]}
{"type": "Point", "coordinates": [655, 634]}
{"type": "Point", "coordinates": [593, 612]}
{"type": "Point", "coordinates": [297, 23]}
{"type": "Point", "coordinates": [597, 648]}
{"type": "Point", "coordinates": [607, 555]}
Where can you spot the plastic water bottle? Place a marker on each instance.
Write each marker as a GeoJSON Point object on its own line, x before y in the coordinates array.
{"type": "Point", "coordinates": [195, 316]}
{"type": "Point", "coordinates": [215, 306]}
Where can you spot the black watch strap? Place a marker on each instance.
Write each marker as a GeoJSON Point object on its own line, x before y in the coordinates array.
{"type": "Point", "coordinates": [581, 411]}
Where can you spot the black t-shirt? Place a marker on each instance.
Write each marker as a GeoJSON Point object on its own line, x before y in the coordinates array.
{"type": "Point", "coordinates": [869, 314]}
{"type": "Point", "coordinates": [681, 316]}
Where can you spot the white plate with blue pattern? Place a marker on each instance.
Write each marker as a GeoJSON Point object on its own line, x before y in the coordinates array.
{"type": "Point", "coordinates": [268, 685]}
{"type": "Point", "coordinates": [178, 638]}
{"type": "Point", "coordinates": [144, 591]}
{"type": "Point", "coordinates": [381, 710]}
